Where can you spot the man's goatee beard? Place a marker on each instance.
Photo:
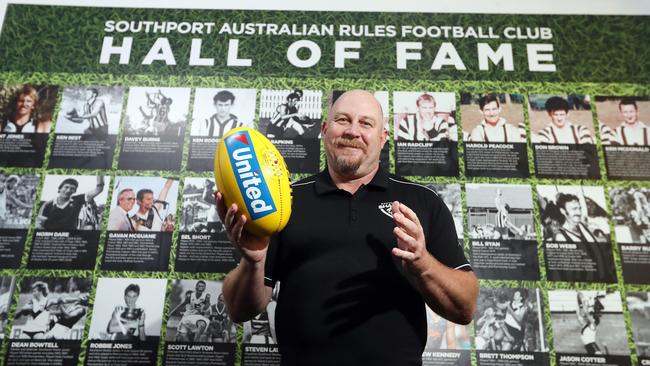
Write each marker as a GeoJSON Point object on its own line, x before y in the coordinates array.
{"type": "Point", "coordinates": [347, 167]}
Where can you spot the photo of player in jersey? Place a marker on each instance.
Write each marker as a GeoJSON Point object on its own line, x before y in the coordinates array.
{"type": "Point", "coordinates": [288, 114]}
{"type": "Point", "coordinates": [127, 309]}
{"type": "Point", "coordinates": [561, 119]}
{"type": "Point", "coordinates": [217, 111]}
{"type": "Point", "coordinates": [624, 121]}
{"type": "Point", "coordinates": [199, 207]}
{"type": "Point", "coordinates": [157, 111]}
{"type": "Point", "coordinates": [509, 319]}
{"type": "Point", "coordinates": [500, 212]}
{"type": "Point", "coordinates": [71, 203]}
{"type": "Point", "coordinates": [493, 118]}
{"type": "Point", "coordinates": [573, 214]}
{"type": "Point", "coordinates": [143, 204]}
{"type": "Point", "coordinates": [17, 199]}
{"type": "Point", "coordinates": [631, 214]}
{"type": "Point", "coordinates": [7, 285]}
{"type": "Point", "coordinates": [51, 308]}
{"type": "Point", "coordinates": [638, 305]}
{"type": "Point", "coordinates": [27, 108]}
{"type": "Point", "coordinates": [425, 116]}
{"type": "Point", "coordinates": [198, 313]}
{"type": "Point", "coordinates": [261, 329]}
{"type": "Point", "coordinates": [588, 322]}
{"type": "Point", "coordinates": [92, 110]}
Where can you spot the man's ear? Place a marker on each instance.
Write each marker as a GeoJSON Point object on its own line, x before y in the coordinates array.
{"type": "Point", "coordinates": [323, 128]}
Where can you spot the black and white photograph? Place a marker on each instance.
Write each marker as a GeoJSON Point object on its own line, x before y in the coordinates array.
{"type": "Point", "coordinates": [86, 127]}
{"type": "Point", "coordinates": [17, 201]}
{"type": "Point", "coordinates": [509, 322]}
{"type": "Point", "coordinates": [203, 243]}
{"type": "Point", "coordinates": [154, 128]}
{"type": "Point", "coordinates": [563, 136]}
{"type": "Point", "coordinates": [215, 112]}
{"type": "Point", "coordinates": [588, 322]}
{"type": "Point", "coordinates": [140, 223]}
{"type": "Point", "coordinates": [49, 320]}
{"type": "Point", "coordinates": [426, 133]}
{"type": "Point", "coordinates": [631, 217]}
{"type": "Point", "coordinates": [382, 98]}
{"type": "Point", "coordinates": [575, 229]}
{"type": "Point", "coordinates": [259, 341]}
{"type": "Point", "coordinates": [198, 315]}
{"type": "Point", "coordinates": [638, 305]}
{"type": "Point", "coordinates": [451, 195]}
{"type": "Point", "coordinates": [291, 119]}
{"type": "Point", "coordinates": [68, 222]}
{"type": "Point", "coordinates": [25, 122]}
{"type": "Point", "coordinates": [495, 135]}
{"type": "Point", "coordinates": [502, 231]}
{"type": "Point", "coordinates": [448, 343]}
{"type": "Point", "coordinates": [624, 124]}
{"type": "Point", "coordinates": [127, 311]}
{"type": "Point", "coordinates": [7, 285]}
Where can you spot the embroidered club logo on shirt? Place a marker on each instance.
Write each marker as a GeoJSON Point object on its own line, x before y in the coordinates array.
{"type": "Point", "coordinates": [386, 208]}
{"type": "Point", "coordinates": [249, 176]}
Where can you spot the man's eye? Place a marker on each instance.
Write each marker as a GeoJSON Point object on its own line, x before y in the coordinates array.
{"type": "Point", "coordinates": [342, 120]}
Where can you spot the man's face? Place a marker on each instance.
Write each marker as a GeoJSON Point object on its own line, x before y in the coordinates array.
{"type": "Point", "coordinates": [127, 200]}
{"type": "Point", "coordinates": [130, 298]}
{"type": "Point", "coordinates": [89, 93]}
{"type": "Point", "coordinates": [516, 296]}
{"type": "Point", "coordinates": [427, 110]}
{"type": "Point", "coordinates": [558, 117]}
{"type": "Point", "coordinates": [354, 134]}
{"type": "Point", "coordinates": [292, 102]}
{"type": "Point", "coordinates": [200, 287]}
{"type": "Point", "coordinates": [491, 112]}
{"type": "Point", "coordinates": [147, 201]}
{"type": "Point", "coordinates": [25, 105]}
{"type": "Point", "coordinates": [630, 113]}
{"type": "Point", "coordinates": [36, 293]}
{"type": "Point", "coordinates": [223, 108]}
{"type": "Point", "coordinates": [67, 190]}
{"type": "Point", "coordinates": [572, 212]}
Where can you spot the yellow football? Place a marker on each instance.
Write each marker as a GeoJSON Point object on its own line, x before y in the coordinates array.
{"type": "Point", "coordinates": [250, 172]}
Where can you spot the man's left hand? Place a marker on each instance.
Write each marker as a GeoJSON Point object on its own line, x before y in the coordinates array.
{"type": "Point", "coordinates": [411, 245]}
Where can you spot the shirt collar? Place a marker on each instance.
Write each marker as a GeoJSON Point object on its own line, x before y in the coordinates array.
{"type": "Point", "coordinates": [324, 183]}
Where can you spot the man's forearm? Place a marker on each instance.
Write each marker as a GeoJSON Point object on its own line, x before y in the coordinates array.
{"type": "Point", "coordinates": [244, 291]}
{"type": "Point", "coordinates": [451, 293]}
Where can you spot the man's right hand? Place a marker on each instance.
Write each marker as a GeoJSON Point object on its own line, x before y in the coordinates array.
{"type": "Point", "coordinates": [252, 248]}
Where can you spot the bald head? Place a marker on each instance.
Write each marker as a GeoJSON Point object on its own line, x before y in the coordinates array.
{"type": "Point", "coordinates": [365, 101]}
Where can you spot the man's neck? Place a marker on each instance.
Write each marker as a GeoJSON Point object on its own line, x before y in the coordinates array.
{"type": "Point", "coordinates": [142, 211]}
{"type": "Point", "coordinates": [571, 226]}
{"type": "Point", "coordinates": [491, 124]}
{"type": "Point", "coordinates": [353, 182]}
{"type": "Point", "coordinates": [632, 124]}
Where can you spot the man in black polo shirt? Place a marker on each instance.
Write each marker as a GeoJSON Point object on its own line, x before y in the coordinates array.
{"type": "Point", "coordinates": [361, 255]}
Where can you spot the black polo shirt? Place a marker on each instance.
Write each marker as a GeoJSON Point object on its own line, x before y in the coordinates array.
{"type": "Point", "coordinates": [344, 299]}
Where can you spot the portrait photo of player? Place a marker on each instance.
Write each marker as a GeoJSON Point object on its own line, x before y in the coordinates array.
{"type": "Point", "coordinates": [288, 114]}
{"type": "Point", "coordinates": [588, 322]}
{"type": "Point", "coordinates": [51, 308]}
{"type": "Point", "coordinates": [638, 305]}
{"type": "Point", "coordinates": [27, 108]}
{"type": "Point", "coordinates": [71, 203]}
{"type": "Point", "coordinates": [152, 111]}
{"type": "Point", "coordinates": [494, 118]}
{"type": "Point", "coordinates": [424, 116]}
{"type": "Point", "coordinates": [127, 309]}
{"type": "Point", "coordinates": [143, 204]}
{"type": "Point", "coordinates": [631, 214]}
{"type": "Point", "coordinates": [90, 110]}
{"type": "Point", "coordinates": [509, 319]}
{"type": "Point", "coordinates": [199, 207]}
{"type": "Point", "coordinates": [561, 119]}
{"type": "Point", "coordinates": [17, 199]}
{"type": "Point", "coordinates": [198, 313]}
{"type": "Point", "coordinates": [217, 111]}
{"type": "Point", "coordinates": [500, 211]}
{"type": "Point", "coordinates": [451, 195]}
{"type": "Point", "coordinates": [7, 285]}
{"type": "Point", "coordinates": [624, 121]}
{"type": "Point", "coordinates": [573, 214]}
